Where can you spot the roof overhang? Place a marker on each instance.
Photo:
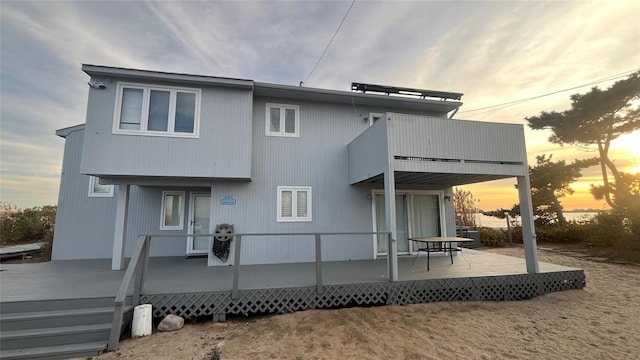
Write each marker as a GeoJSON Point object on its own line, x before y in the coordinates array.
{"type": "Point", "coordinates": [64, 132]}
{"type": "Point", "coordinates": [146, 75]}
{"type": "Point", "coordinates": [441, 179]}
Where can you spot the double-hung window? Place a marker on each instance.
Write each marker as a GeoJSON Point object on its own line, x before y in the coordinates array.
{"type": "Point", "coordinates": [97, 188]}
{"type": "Point", "coordinates": [156, 110]}
{"type": "Point", "coordinates": [294, 203]}
{"type": "Point", "coordinates": [282, 120]}
{"type": "Point", "coordinates": [172, 210]}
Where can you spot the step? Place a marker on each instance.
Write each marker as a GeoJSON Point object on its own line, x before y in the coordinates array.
{"type": "Point", "coordinates": [9, 307]}
{"type": "Point", "coordinates": [55, 318]}
{"type": "Point", "coordinates": [54, 336]}
{"type": "Point", "coordinates": [56, 352]}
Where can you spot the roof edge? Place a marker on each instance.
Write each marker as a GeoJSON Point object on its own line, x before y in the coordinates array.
{"type": "Point", "coordinates": [100, 70]}
{"type": "Point", "coordinates": [64, 132]}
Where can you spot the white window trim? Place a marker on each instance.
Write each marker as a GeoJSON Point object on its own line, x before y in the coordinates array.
{"type": "Point", "coordinates": [372, 114]}
{"type": "Point", "coordinates": [182, 195]}
{"type": "Point", "coordinates": [282, 133]}
{"type": "Point", "coordinates": [92, 183]}
{"type": "Point", "coordinates": [294, 218]}
{"type": "Point", "coordinates": [145, 111]}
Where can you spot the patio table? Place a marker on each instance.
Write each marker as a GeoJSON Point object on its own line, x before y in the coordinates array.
{"type": "Point", "coordinates": [442, 240]}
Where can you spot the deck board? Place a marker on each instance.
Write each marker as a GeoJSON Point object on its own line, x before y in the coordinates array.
{"type": "Point", "coordinates": [94, 278]}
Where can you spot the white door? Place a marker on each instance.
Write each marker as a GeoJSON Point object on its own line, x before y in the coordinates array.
{"type": "Point", "coordinates": [199, 219]}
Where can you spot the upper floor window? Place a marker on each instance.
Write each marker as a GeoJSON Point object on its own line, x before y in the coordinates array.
{"type": "Point", "coordinates": [98, 189]}
{"type": "Point", "coordinates": [282, 120]}
{"type": "Point", "coordinates": [157, 110]}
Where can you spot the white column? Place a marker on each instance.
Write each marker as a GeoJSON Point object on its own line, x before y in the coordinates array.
{"type": "Point", "coordinates": [528, 229]}
{"type": "Point", "coordinates": [390, 211]}
{"type": "Point", "coordinates": [119, 235]}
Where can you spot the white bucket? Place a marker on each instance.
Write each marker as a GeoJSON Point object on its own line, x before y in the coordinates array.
{"type": "Point", "coordinates": [141, 325]}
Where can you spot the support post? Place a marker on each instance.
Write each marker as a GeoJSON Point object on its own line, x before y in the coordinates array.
{"type": "Point", "coordinates": [236, 268]}
{"type": "Point", "coordinates": [319, 285]}
{"type": "Point", "coordinates": [528, 229]}
{"type": "Point", "coordinates": [390, 211]}
{"type": "Point", "coordinates": [120, 233]}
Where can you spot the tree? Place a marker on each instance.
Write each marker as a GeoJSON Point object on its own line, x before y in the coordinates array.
{"type": "Point", "coordinates": [465, 207]}
{"type": "Point", "coordinates": [549, 182]}
{"type": "Point", "coordinates": [596, 119]}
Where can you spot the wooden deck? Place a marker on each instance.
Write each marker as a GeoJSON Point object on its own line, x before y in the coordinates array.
{"type": "Point", "coordinates": [177, 275]}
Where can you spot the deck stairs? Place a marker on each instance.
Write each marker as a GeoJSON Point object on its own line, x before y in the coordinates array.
{"type": "Point", "coordinates": [55, 329]}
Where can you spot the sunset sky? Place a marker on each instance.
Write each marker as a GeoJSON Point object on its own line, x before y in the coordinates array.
{"type": "Point", "coordinates": [493, 52]}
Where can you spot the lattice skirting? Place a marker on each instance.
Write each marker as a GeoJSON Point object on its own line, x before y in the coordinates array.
{"type": "Point", "coordinates": [284, 300]}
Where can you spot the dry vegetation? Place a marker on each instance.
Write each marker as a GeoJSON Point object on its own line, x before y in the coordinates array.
{"type": "Point", "coordinates": [598, 322]}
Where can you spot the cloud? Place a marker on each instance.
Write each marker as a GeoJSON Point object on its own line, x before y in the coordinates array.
{"type": "Point", "coordinates": [493, 52]}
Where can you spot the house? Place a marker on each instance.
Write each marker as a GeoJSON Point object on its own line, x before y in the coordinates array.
{"type": "Point", "coordinates": [177, 154]}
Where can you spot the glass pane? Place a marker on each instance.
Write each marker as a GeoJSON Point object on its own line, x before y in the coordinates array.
{"type": "Point", "coordinates": [287, 204]}
{"type": "Point", "coordinates": [402, 224]}
{"type": "Point", "coordinates": [99, 188]}
{"type": "Point", "coordinates": [274, 114]}
{"type": "Point", "coordinates": [201, 210]}
{"type": "Point", "coordinates": [301, 205]}
{"type": "Point", "coordinates": [158, 110]}
{"type": "Point", "coordinates": [185, 112]}
{"type": "Point", "coordinates": [290, 121]}
{"type": "Point", "coordinates": [381, 223]}
{"type": "Point", "coordinates": [172, 211]}
{"type": "Point", "coordinates": [131, 109]}
{"type": "Point", "coordinates": [425, 214]}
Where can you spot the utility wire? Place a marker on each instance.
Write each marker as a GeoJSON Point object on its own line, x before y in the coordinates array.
{"type": "Point", "coordinates": [329, 44]}
{"type": "Point", "coordinates": [515, 102]}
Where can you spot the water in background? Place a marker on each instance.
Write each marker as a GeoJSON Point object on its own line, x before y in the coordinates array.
{"type": "Point", "coordinates": [494, 222]}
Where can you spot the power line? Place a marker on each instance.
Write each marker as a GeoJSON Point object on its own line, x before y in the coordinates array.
{"type": "Point", "coordinates": [515, 102]}
{"type": "Point", "coordinates": [329, 44]}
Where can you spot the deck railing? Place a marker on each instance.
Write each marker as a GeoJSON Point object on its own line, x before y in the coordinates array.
{"type": "Point", "coordinates": [139, 263]}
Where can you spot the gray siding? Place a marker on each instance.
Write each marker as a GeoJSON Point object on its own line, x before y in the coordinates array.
{"type": "Point", "coordinates": [319, 158]}
{"type": "Point", "coordinates": [369, 153]}
{"type": "Point", "coordinates": [456, 139]}
{"type": "Point", "coordinates": [84, 225]}
{"type": "Point", "coordinates": [223, 149]}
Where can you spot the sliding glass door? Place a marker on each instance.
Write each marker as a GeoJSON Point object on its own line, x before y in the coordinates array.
{"type": "Point", "coordinates": [418, 214]}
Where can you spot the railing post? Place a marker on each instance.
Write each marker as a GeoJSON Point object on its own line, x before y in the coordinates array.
{"type": "Point", "coordinates": [389, 260]}
{"type": "Point", "coordinates": [140, 270]}
{"type": "Point", "coordinates": [319, 286]}
{"type": "Point", "coordinates": [236, 268]}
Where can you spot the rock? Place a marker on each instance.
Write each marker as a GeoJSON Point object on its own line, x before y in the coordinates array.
{"type": "Point", "coordinates": [171, 323]}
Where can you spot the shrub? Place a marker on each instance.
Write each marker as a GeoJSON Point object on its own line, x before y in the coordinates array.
{"type": "Point", "coordinates": [19, 226]}
{"type": "Point", "coordinates": [492, 237]}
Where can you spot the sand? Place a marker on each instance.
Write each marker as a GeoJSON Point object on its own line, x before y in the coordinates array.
{"type": "Point", "coordinates": [602, 321]}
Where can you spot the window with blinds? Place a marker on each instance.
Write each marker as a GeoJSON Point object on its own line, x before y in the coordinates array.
{"type": "Point", "coordinates": [294, 203]}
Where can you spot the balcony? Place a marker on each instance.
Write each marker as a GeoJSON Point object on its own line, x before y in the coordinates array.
{"type": "Point", "coordinates": [437, 151]}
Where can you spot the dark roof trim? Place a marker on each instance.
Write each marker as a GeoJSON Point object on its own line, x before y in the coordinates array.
{"type": "Point", "coordinates": [387, 90]}
{"type": "Point", "coordinates": [349, 97]}
{"type": "Point", "coordinates": [107, 71]}
{"type": "Point", "coordinates": [276, 90]}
